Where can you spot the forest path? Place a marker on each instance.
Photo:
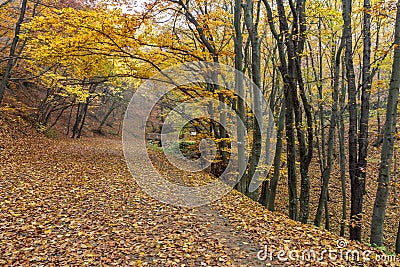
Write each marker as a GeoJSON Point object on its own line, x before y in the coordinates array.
{"type": "Point", "coordinates": [74, 202]}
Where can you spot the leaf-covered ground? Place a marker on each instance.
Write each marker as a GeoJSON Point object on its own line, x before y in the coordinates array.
{"type": "Point", "coordinates": [74, 202]}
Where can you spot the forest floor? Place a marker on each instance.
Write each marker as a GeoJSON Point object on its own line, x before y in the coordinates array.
{"type": "Point", "coordinates": [335, 193]}
{"type": "Point", "coordinates": [74, 202]}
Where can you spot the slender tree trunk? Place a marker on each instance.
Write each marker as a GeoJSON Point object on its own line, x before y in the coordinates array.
{"type": "Point", "coordinates": [305, 144]}
{"type": "Point", "coordinates": [265, 188]}
{"type": "Point", "coordinates": [327, 216]}
{"type": "Point", "coordinates": [277, 160]}
{"type": "Point", "coordinates": [256, 77]}
{"type": "Point", "coordinates": [377, 44]}
{"type": "Point", "coordinates": [398, 240]}
{"type": "Point", "coordinates": [365, 97]}
{"type": "Point", "coordinates": [320, 87]}
{"type": "Point", "coordinates": [84, 113]}
{"type": "Point", "coordinates": [319, 143]}
{"type": "Point", "coordinates": [323, 198]}
{"type": "Point", "coordinates": [103, 121]}
{"type": "Point", "coordinates": [70, 118]}
{"type": "Point", "coordinates": [291, 156]}
{"type": "Point", "coordinates": [342, 151]}
{"type": "Point", "coordinates": [382, 192]}
{"type": "Point", "coordinates": [10, 62]}
{"type": "Point", "coordinates": [378, 112]}
{"type": "Point", "coordinates": [356, 184]}
{"type": "Point", "coordinates": [78, 118]}
{"type": "Point", "coordinates": [58, 117]}
{"type": "Point", "coordinates": [288, 72]}
{"type": "Point", "coordinates": [239, 86]}
{"type": "Point", "coordinates": [292, 105]}
{"type": "Point", "coordinates": [266, 185]}
{"type": "Point", "coordinates": [222, 119]}
{"type": "Point", "coordinates": [306, 150]}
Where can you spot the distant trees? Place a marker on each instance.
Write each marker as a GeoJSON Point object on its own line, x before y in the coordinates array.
{"type": "Point", "coordinates": [79, 66]}
{"type": "Point", "coordinates": [10, 32]}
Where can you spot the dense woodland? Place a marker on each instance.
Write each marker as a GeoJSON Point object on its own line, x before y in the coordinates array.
{"type": "Point", "coordinates": [330, 71]}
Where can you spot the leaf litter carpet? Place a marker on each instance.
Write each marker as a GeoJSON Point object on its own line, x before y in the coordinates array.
{"type": "Point", "coordinates": [74, 202]}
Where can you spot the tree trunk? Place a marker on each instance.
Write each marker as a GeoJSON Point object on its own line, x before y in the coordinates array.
{"type": "Point", "coordinates": [266, 185]}
{"type": "Point", "coordinates": [365, 98]}
{"type": "Point", "coordinates": [356, 184]}
{"type": "Point", "coordinates": [84, 113]}
{"type": "Point", "coordinates": [288, 72]}
{"type": "Point", "coordinates": [58, 117]}
{"type": "Point", "coordinates": [323, 198]}
{"type": "Point", "coordinates": [277, 160]}
{"type": "Point", "coordinates": [291, 69]}
{"type": "Point", "coordinates": [398, 240]}
{"type": "Point", "coordinates": [342, 152]}
{"type": "Point", "coordinates": [382, 192]}
{"type": "Point", "coordinates": [239, 86]}
{"type": "Point", "coordinates": [305, 145]}
{"type": "Point", "coordinates": [379, 105]}
{"type": "Point", "coordinates": [103, 121]}
{"type": "Point", "coordinates": [327, 217]}
{"type": "Point", "coordinates": [10, 61]}
{"type": "Point", "coordinates": [291, 156]}
{"type": "Point", "coordinates": [257, 98]}
{"type": "Point", "coordinates": [78, 119]}
{"type": "Point", "coordinates": [306, 150]}
{"type": "Point", "coordinates": [320, 90]}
